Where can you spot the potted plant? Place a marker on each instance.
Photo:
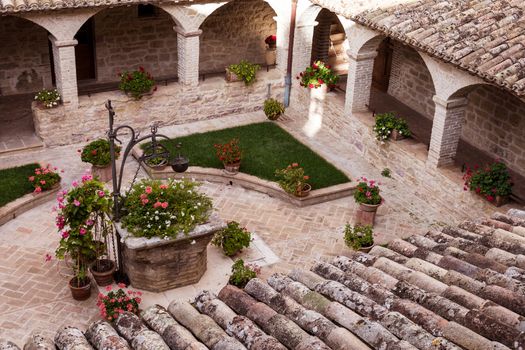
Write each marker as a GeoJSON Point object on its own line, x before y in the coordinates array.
{"type": "Point", "coordinates": [48, 98]}
{"type": "Point", "coordinates": [359, 237]}
{"type": "Point", "coordinates": [244, 71]}
{"type": "Point", "coordinates": [242, 274]}
{"type": "Point", "coordinates": [137, 83]}
{"type": "Point", "coordinates": [271, 50]}
{"type": "Point", "coordinates": [78, 210]}
{"type": "Point", "coordinates": [492, 182]}
{"type": "Point", "coordinates": [273, 109]}
{"type": "Point", "coordinates": [165, 230]}
{"type": "Point", "coordinates": [367, 196]}
{"type": "Point", "coordinates": [115, 302]}
{"type": "Point", "coordinates": [388, 125]}
{"type": "Point", "coordinates": [98, 155]}
{"type": "Point", "coordinates": [232, 239]}
{"type": "Point", "coordinates": [318, 75]}
{"type": "Point", "coordinates": [44, 179]}
{"type": "Point", "coordinates": [293, 180]}
{"type": "Point", "coordinates": [230, 155]}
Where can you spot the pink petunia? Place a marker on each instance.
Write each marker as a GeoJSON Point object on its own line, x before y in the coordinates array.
{"type": "Point", "coordinates": [108, 288]}
{"type": "Point", "coordinates": [38, 189]}
{"type": "Point", "coordinates": [163, 187]}
{"type": "Point", "coordinates": [101, 194]}
{"type": "Point", "coordinates": [148, 189]}
{"type": "Point", "coordinates": [164, 205]}
{"type": "Point", "coordinates": [31, 178]}
{"type": "Point", "coordinates": [157, 204]}
{"type": "Point", "coordinates": [42, 182]}
{"type": "Point", "coordinates": [65, 234]}
{"type": "Point", "coordinates": [76, 203]}
{"type": "Point", "coordinates": [145, 201]}
{"type": "Point", "coordinates": [82, 231]}
{"type": "Point", "coordinates": [74, 183]}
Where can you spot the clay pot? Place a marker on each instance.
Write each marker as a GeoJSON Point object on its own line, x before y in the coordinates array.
{"type": "Point", "coordinates": [366, 249]}
{"type": "Point", "coordinates": [396, 136]}
{"type": "Point", "coordinates": [103, 173]}
{"type": "Point", "coordinates": [233, 168]}
{"type": "Point", "coordinates": [80, 291]}
{"type": "Point", "coordinates": [303, 192]}
{"type": "Point", "coordinates": [105, 276]}
{"type": "Point", "coordinates": [366, 214]}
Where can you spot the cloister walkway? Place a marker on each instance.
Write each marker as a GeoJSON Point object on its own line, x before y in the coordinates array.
{"type": "Point", "coordinates": [35, 295]}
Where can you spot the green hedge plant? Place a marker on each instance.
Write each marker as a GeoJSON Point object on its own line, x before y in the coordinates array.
{"type": "Point", "coordinates": [245, 70]}
{"type": "Point", "coordinates": [232, 239]}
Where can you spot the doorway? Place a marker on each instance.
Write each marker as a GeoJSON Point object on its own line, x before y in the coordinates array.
{"type": "Point", "coordinates": [383, 66]}
{"type": "Point", "coordinates": [85, 52]}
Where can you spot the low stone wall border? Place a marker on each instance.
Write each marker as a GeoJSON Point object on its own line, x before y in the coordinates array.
{"type": "Point", "coordinates": [254, 183]}
{"type": "Point", "coordinates": [25, 203]}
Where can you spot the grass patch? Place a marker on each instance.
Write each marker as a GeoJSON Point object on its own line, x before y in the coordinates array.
{"type": "Point", "coordinates": [266, 147]}
{"type": "Point", "coordinates": [14, 183]}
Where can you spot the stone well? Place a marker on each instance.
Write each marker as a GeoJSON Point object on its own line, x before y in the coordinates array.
{"type": "Point", "coordinates": [157, 265]}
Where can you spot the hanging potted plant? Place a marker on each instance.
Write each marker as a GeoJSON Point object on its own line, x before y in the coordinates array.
{"type": "Point", "coordinates": [98, 155]}
{"type": "Point", "coordinates": [367, 196]}
{"type": "Point", "coordinates": [359, 237]}
{"type": "Point", "coordinates": [293, 180]}
{"type": "Point", "coordinates": [156, 157]}
{"type": "Point", "coordinates": [318, 75]}
{"type": "Point", "coordinates": [271, 50]}
{"type": "Point", "coordinates": [492, 182]}
{"type": "Point", "coordinates": [80, 212]}
{"type": "Point", "coordinates": [230, 155]}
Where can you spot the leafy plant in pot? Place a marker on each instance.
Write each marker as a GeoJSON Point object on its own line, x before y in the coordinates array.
{"type": "Point", "coordinates": [79, 209]}
{"type": "Point", "coordinates": [317, 75]}
{"type": "Point", "coordinates": [137, 83]}
{"type": "Point", "coordinates": [492, 182]}
{"type": "Point", "coordinates": [232, 239]}
{"type": "Point", "coordinates": [293, 180]}
{"type": "Point", "coordinates": [387, 125]}
{"type": "Point", "coordinates": [273, 109]}
{"type": "Point", "coordinates": [97, 153]}
{"type": "Point", "coordinates": [230, 154]}
{"type": "Point", "coordinates": [242, 273]}
{"type": "Point", "coordinates": [244, 71]}
{"type": "Point", "coordinates": [359, 237]}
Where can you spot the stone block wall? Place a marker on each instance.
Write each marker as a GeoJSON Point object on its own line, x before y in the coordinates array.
{"type": "Point", "coordinates": [24, 56]}
{"type": "Point", "coordinates": [169, 105]}
{"type": "Point", "coordinates": [495, 123]}
{"type": "Point", "coordinates": [125, 41]}
{"type": "Point", "coordinates": [236, 31]}
{"type": "Point", "coordinates": [410, 80]}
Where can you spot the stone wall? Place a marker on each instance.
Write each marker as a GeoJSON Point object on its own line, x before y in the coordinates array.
{"type": "Point", "coordinates": [24, 57]}
{"type": "Point", "coordinates": [406, 159]}
{"type": "Point", "coordinates": [495, 123]}
{"type": "Point", "coordinates": [410, 80]}
{"type": "Point", "coordinates": [171, 104]}
{"type": "Point", "coordinates": [126, 41]}
{"type": "Point", "coordinates": [236, 31]}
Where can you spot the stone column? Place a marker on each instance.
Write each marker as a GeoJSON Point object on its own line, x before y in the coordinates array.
{"type": "Point", "coordinates": [359, 84]}
{"type": "Point", "coordinates": [65, 70]}
{"type": "Point", "coordinates": [283, 39]}
{"type": "Point", "coordinates": [188, 49]}
{"type": "Point", "coordinates": [302, 52]}
{"type": "Point", "coordinates": [446, 130]}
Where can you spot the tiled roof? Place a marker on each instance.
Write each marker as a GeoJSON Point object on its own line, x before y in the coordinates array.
{"type": "Point", "coordinates": [483, 37]}
{"type": "Point", "coordinates": [14, 6]}
{"type": "Point", "coordinates": [458, 288]}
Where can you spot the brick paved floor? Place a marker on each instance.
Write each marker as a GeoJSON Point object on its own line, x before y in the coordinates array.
{"type": "Point", "coordinates": [34, 294]}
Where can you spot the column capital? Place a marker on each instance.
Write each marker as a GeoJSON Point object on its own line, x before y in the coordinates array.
{"type": "Point", "coordinates": [307, 24]}
{"type": "Point", "coordinates": [450, 103]}
{"type": "Point", "coordinates": [362, 56]}
{"type": "Point", "coordinates": [186, 34]}
{"type": "Point", "coordinates": [62, 43]}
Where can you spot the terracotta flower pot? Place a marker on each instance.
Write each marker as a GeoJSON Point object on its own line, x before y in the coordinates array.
{"type": "Point", "coordinates": [231, 77]}
{"type": "Point", "coordinates": [498, 200]}
{"type": "Point", "coordinates": [396, 136]}
{"type": "Point", "coordinates": [105, 276]}
{"type": "Point", "coordinates": [103, 173]}
{"type": "Point", "coordinates": [366, 214]}
{"type": "Point", "coordinates": [366, 249]}
{"type": "Point", "coordinates": [232, 168]}
{"type": "Point", "coordinates": [80, 291]}
{"type": "Point", "coordinates": [303, 192]}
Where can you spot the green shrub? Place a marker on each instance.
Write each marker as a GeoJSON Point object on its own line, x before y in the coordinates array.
{"type": "Point", "coordinates": [388, 122]}
{"type": "Point", "coordinates": [242, 274]}
{"type": "Point", "coordinates": [273, 108]}
{"type": "Point", "coordinates": [232, 239]}
{"type": "Point", "coordinates": [97, 153]}
{"type": "Point", "coordinates": [386, 172]}
{"type": "Point", "coordinates": [136, 83]}
{"type": "Point", "coordinates": [358, 236]}
{"type": "Point", "coordinates": [489, 181]}
{"type": "Point", "coordinates": [292, 178]}
{"type": "Point", "coordinates": [246, 71]}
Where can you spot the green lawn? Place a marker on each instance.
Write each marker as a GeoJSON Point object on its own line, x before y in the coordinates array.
{"type": "Point", "coordinates": [14, 182]}
{"type": "Point", "coordinates": [266, 147]}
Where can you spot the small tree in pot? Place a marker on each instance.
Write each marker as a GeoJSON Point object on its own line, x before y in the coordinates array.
{"type": "Point", "coordinates": [82, 212]}
{"type": "Point", "coordinates": [97, 153]}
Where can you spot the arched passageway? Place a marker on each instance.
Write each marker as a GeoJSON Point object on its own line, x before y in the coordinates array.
{"type": "Point", "coordinates": [329, 42]}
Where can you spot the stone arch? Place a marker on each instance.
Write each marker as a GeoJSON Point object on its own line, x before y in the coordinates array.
{"type": "Point", "coordinates": [329, 42]}
{"type": "Point", "coordinates": [25, 56]}
{"type": "Point", "coordinates": [236, 31]}
{"type": "Point", "coordinates": [191, 17]}
{"type": "Point", "coordinates": [66, 25]}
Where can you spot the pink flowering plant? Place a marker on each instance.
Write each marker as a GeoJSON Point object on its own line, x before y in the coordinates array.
{"type": "Point", "coordinates": [44, 178]}
{"type": "Point", "coordinates": [292, 178]}
{"type": "Point", "coordinates": [318, 74]}
{"type": "Point", "coordinates": [80, 212]}
{"type": "Point", "coordinates": [118, 301]}
{"type": "Point", "coordinates": [367, 192]}
{"type": "Point", "coordinates": [489, 181]}
{"type": "Point", "coordinates": [157, 209]}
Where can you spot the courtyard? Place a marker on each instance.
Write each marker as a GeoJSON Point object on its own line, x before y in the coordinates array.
{"type": "Point", "coordinates": [303, 174]}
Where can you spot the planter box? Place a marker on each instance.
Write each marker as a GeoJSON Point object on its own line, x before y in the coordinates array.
{"type": "Point", "coordinates": [156, 264]}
